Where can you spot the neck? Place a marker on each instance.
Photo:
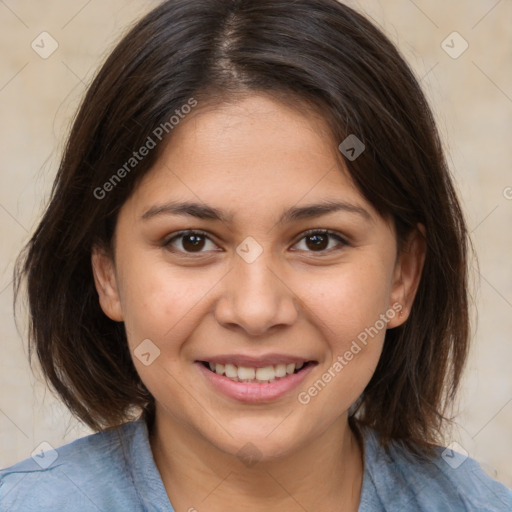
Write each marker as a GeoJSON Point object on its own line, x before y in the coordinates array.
{"type": "Point", "coordinates": [326, 473]}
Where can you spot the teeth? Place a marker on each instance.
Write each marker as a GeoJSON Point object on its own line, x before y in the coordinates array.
{"type": "Point", "coordinates": [231, 371]}
{"type": "Point", "coordinates": [247, 374]}
{"type": "Point", "coordinates": [280, 370]}
{"type": "Point", "coordinates": [265, 373]}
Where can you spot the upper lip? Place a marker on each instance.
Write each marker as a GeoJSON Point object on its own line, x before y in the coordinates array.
{"type": "Point", "coordinates": [255, 362]}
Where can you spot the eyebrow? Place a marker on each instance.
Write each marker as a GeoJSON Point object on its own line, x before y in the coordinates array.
{"type": "Point", "coordinates": [205, 212]}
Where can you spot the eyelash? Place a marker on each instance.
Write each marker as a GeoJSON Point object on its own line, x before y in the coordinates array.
{"type": "Point", "coordinates": [342, 241]}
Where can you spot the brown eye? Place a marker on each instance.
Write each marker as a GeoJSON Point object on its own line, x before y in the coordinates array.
{"type": "Point", "coordinates": [193, 242]}
{"type": "Point", "coordinates": [189, 242]}
{"type": "Point", "coordinates": [319, 241]}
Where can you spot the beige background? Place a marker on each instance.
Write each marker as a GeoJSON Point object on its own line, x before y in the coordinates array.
{"type": "Point", "coordinates": [472, 99]}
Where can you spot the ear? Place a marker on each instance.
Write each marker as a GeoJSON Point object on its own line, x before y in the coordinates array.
{"type": "Point", "coordinates": [407, 275]}
{"type": "Point", "coordinates": [105, 279]}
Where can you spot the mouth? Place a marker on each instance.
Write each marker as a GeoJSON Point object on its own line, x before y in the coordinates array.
{"type": "Point", "coordinates": [260, 382]}
{"type": "Point", "coordinates": [257, 375]}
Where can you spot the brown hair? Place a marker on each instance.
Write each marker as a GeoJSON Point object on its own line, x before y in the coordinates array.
{"type": "Point", "coordinates": [316, 51]}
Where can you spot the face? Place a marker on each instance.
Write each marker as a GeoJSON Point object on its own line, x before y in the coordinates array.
{"type": "Point", "coordinates": [268, 286]}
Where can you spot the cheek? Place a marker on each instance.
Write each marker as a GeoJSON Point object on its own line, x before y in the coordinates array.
{"type": "Point", "coordinates": [161, 302]}
{"type": "Point", "coordinates": [347, 310]}
{"type": "Point", "coordinates": [349, 299]}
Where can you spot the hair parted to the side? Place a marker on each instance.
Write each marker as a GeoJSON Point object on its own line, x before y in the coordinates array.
{"type": "Point", "coordinates": [318, 53]}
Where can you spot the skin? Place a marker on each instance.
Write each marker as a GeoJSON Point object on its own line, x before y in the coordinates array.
{"type": "Point", "coordinates": [254, 159]}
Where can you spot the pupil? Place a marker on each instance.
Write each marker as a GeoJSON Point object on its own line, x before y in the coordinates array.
{"type": "Point", "coordinates": [195, 242]}
{"type": "Point", "coordinates": [319, 241]}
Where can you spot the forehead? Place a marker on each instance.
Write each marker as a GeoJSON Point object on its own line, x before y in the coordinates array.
{"type": "Point", "coordinates": [255, 155]}
{"type": "Point", "coordinates": [238, 132]}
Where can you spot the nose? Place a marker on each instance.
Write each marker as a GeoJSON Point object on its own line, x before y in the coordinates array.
{"type": "Point", "coordinates": [256, 298]}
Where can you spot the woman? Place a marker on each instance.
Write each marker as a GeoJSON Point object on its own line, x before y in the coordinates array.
{"type": "Point", "coordinates": [251, 276]}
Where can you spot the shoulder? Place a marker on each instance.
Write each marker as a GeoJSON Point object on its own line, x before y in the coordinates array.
{"type": "Point", "coordinates": [448, 481]}
{"type": "Point", "coordinates": [89, 473]}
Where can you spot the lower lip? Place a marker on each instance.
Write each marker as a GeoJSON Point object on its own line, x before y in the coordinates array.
{"type": "Point", "coordinates": [253, 392]}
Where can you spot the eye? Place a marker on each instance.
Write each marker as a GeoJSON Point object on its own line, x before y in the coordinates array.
{"type": "Point", "coordinates": [188, 242]}
{"type": "Point", "coordinates": [317, 240]}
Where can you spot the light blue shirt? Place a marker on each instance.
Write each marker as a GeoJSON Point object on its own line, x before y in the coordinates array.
{"type": "Point", "coordinates": [114, 471]}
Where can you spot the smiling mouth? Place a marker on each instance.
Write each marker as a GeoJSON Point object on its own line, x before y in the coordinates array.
{"type": "Point", "coordinates": [266, 374]}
